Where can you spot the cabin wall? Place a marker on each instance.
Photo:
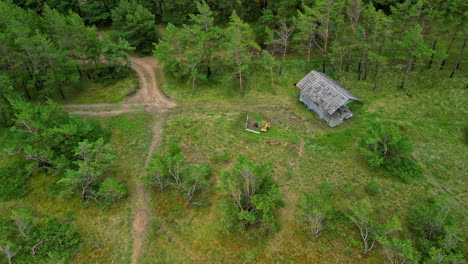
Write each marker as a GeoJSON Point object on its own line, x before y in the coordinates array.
{"type": "Point", "coordinates": [312, 105]}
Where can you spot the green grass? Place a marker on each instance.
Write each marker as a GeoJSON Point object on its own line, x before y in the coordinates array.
{"type": "Point", "coordinates": [104, 92]}
{"type": "Point", "coordinates": [211, 123]}
{"type": "Point", "coordinates": [305, 153]}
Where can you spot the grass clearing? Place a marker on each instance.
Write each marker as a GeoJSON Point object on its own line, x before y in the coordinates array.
{"type": "Point", "coordinates": [105, 92]}
{"type": "Point", "coordinates": [211, 123]}
{"type": "Point", "coordinates": [305, 152]}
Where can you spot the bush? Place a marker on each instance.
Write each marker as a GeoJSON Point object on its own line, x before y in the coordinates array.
{"type": "Point", "coordinates": [61, 239]}
{"type": "Point", "coordinates": [399, 251]}
{"type": "Point", "coordinates": [48, 240]}
{"type": "Point", "coordinates": [404, 169]}
{"type": "Point", "coordinates": [251, 197]}
{"type": "Point", "coordinates": [14, 182]}
{"type": "Point", "coordinates": [172, 170]}
{"type": "Point", "coordinates": [112, 190]}
{"type": "Point", "coordinates": [372, 188]}
{"type": "Point", "coordinates": [383, 146]}
{"type": "Point", "coordinates": [315, 210]}
{"type": "Point", "coordinates": [56, 134]}
{"type": "Point", "coordinates": [438, 237]}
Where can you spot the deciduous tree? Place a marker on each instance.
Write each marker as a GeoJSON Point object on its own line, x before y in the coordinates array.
{"type": "Point", "coordinates": [399, 251]}
{"type": "Point", "coordinates": [283, 35]}
{"type": "Point", "coordinates": [315, 208]}
{"type": "Point", "coordinates": [195, 179]}
{"type": "Point", "coordinates": [23, 219]}
{"type": "Point", "coordinates": [8, 248]}
{"type": "Point", "coordinates": [251, 196]}
{"type": "Point", "coordinates": [384, 146]}
{"type": "Point", "coordinates": [362, 216]}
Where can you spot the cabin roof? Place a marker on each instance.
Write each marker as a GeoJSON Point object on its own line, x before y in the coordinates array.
{"type": "Point", "coordinates": [325, 91]}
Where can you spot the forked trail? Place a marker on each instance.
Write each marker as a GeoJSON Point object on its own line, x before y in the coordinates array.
{"type": "Point", "coordinates": [150, 99]}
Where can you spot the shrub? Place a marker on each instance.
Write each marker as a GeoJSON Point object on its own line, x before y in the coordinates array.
{"type": "Point", "coordinates": [363, 216]}
{"type": "Point", "coordinates": [251, 197]}
{"type": "Point", "coordinates": [315, 209]}
{"type": "Point", "coordinates": [172, 170]}
{"type": "Point", "coordinates": [399, 251]}
{"type": "Point", "coordinates": [438, 237]}
{"type": "Point", "coordinates": [372, 188]}
{"type": "Point", "coordinates": [48, 240]}
{"type": "Point", "coordinates": [112, 190]}
{"type": "Point", "coordinates": [14, 182]}
{"type": "Point", "coordinates": [383, 146]}
{"type": "Point", "coordinates": [56, 134]}
{"type": "Point", "coordinates": [60, 241]}
{"type": "Point", "coordinates": [404, 169]}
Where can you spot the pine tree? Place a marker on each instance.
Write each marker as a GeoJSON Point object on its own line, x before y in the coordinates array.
{"type": "Point", "coordinates": [326, 14]}
{"type": "Point", "coordinates": [239, 45]}
{"type": "Point", "coordinates": [136, 24]}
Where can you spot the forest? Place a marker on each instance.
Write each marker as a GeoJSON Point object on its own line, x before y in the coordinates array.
{"type": "Point", "coordinates": [123, 132]}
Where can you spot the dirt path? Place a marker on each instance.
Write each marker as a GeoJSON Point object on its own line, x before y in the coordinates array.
{"type": "Point", "coordinates": [150, 99]}
{"type": "Point", "coordinates": [142, 215]}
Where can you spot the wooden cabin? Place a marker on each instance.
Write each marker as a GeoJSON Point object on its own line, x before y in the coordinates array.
{"type": "Point", "coordinates": [326, 97]}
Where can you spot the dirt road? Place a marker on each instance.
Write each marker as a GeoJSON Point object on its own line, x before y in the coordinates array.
{"type": "Point", "coordinates": [150, 99]}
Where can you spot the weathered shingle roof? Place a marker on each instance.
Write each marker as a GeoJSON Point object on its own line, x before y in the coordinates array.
{"type": "Point", "coordinates": [325, 91]}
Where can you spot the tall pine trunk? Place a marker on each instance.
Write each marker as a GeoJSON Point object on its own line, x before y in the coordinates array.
{"type": "Point", "coordinates": [405, 76]}
{"type": "Point", "coordinates": [272, 81]}
{"type": "Point", "coordinates": [361, 60]}
{"type": "Point", "coordinates": [348, 61]}
{"type": "Point", "coordinates": [4, 118]}
{"type": "Point", "coordinates": [452, 39]}
{"type": "Point", "coordinates": [79, 70]}
{"type": "Point", "coordinates": [193, 85]}
{"type": "Point", "coordinates": [460, 56]}
{"type": "Point", "coordinates": [324, 63]}
{"type": "Point", "coordinates": [26, 92]}
{"type": "Point", "coordinates": [240, 83]}
{"type": "Point", "coordinates": [61, 93]}
{"type": "Point", "coordinates": [434, 45]}
{"type": "Point", "coordinates": [378, 68]}
{"type": "Point", "coordinates": [366, 66]}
